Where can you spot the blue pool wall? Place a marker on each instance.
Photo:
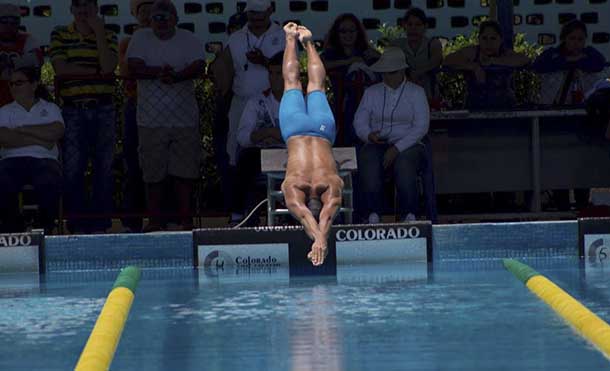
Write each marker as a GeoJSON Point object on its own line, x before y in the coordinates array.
{"type": "Point", "coordinates": [450, 242]}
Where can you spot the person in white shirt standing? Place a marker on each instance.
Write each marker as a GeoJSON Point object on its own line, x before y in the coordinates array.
{"type": "Point", "coordinates": [245, 60]}
{"type": "Point", "coordinates": [165, 60]}
{"type": "Point", "coordinates": [259, 128]}
{"type": "Point", "coordinates": [392, 119]}
{"type": "Point", "coordinates": [242, 69]}
{"type": "Point", "coordinates": [30, 128]}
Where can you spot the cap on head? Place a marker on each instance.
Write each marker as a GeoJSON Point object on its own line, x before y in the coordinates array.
{"type": "Point", "coordinates": [9, 10]}
{"type": "Point", "coordinates": [258, 5]}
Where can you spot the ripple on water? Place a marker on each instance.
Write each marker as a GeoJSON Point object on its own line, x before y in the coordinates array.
{"type": "Point", "coordinates": [36, 319]}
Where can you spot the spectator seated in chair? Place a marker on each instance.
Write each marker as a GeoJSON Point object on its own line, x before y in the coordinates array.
{"type": "Point", "coordinates": [259, 128]}
{"type": "Point", "coordinates": [30, 128]}
{"type": "Point", "coordinates": [392, 119]}
{"type": "Point", "coordinates": [566, 73]}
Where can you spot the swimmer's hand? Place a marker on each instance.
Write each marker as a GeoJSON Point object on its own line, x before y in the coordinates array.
{"type": "Point", "coordinates": [318, 252]}
{"type": "Point", "coordinates": [291, 30]}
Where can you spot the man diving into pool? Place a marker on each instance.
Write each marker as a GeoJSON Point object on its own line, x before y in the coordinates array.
{"type": "Point", "coordinates": [312, 188]}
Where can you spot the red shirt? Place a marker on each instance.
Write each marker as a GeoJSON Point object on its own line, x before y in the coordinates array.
{"type": "Point", "coordinates": [8, 54]}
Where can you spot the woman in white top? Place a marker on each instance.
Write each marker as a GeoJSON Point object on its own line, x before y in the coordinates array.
{"type": "Point", "coordinates": [392, 119]}
{"type": "Point", "coordinates": [30, 128]}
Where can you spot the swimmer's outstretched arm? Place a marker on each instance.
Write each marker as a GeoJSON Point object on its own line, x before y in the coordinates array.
{"type": "Point", "coordinates": [316, 74]}
{"type": "Point", "coordinates": [332, 203]}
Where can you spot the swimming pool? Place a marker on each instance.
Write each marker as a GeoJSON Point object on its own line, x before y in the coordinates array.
{"type": "Point", "coordinates": [449, 315]}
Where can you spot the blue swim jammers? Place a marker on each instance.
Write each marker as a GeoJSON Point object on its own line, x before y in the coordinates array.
{"type": "Point", "coordinates": [314, 119]}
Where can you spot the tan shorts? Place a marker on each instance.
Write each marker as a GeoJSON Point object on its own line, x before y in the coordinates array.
{"type": "Point", "coordinates": [169, 151]}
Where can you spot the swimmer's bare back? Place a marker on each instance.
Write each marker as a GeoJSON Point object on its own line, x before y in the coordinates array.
{"type": "Point", "coordinates": [311, 172]}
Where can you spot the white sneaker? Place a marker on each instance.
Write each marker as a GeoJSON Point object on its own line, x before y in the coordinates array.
{"type": "Point", "coordinates": [373, 218]}
{"type": "Point", "coordinates": [410, 218]}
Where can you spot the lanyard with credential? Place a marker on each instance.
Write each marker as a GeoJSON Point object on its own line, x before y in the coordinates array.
{"type": "Point", "coordinates": [393, 109]}
{"type": "Point", "coordinates": [260, 44]}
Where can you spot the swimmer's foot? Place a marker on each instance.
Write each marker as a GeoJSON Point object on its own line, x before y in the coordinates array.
{"type": "Point", "coordinates": [318, 253]}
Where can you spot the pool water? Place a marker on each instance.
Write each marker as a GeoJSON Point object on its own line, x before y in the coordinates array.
{"type": "Point", "coordinates": [448, 316]}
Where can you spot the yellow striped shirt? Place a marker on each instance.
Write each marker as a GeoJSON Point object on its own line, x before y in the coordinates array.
{"type": "Point", "coordinates": [68, 44]}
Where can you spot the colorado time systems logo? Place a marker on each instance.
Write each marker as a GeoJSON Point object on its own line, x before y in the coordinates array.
{"type": "Point", "coordinates": [219, 259]}
{"type": "Point", "coordinates": [597, 251]}
{"type": "Point", "coordinates": [216, 259]}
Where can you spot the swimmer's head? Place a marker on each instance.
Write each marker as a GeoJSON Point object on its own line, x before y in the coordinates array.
{"type": "Point", "coordinates": [315, 206]}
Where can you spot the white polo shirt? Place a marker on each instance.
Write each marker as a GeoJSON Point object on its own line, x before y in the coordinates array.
{"type": "Point", "coordinates": [261, 112]}
{"type": "Point", "coordinates": [13, 115]}
{"type": "Point", "coordinates": [251, 79]}
{"type": "Point", "coordinates": [401, 115]}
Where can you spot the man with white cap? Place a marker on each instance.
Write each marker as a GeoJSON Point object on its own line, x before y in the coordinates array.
{"type": "Point", "coordinates": [245, 60]}
{"type": "Point", "coordinates": [392, 119]}
{"type": "Point", "coordinates": [13, 44]}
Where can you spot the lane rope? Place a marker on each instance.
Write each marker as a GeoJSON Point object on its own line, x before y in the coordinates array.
{"type": "Point", "coordinates": [104, 339]}
{"type": "Point", "coordinates": [587, 324]}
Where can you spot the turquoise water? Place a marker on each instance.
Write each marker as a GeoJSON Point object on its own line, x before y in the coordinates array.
{"type": "Point", "coordinates": [452, 316]}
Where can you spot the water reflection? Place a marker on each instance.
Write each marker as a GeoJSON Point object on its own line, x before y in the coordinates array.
{"type": "Point", "coordinates": [315, 340]}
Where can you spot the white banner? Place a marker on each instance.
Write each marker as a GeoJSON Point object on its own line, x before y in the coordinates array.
{"type": "Point", "coordinates": [19, 253]}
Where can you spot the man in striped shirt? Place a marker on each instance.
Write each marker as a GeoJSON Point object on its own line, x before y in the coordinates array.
{"type": "Point", "coordinates": [84, 56]}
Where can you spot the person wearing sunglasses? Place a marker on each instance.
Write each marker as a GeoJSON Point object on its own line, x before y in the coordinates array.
{"type": "Point", "coordinates": [243, 69]}
{"type": "Point", "coordinates": [30, 128]}
{"type": "Point", "coordinates": [13, 44]}
{"type": "Point", "coordinates": [166, 60]}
